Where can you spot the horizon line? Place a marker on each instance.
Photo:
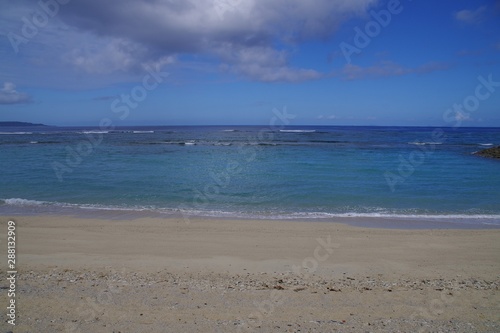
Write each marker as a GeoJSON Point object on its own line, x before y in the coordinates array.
{"type": "Point", "coordinates": [248, 125]}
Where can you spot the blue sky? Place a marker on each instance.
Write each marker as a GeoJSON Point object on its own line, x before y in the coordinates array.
{"type": "Point", "coordinates": [329, 62]}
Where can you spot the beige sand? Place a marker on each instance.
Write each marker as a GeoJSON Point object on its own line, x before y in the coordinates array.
{"type": "Point", "coordinates": [164, 275]}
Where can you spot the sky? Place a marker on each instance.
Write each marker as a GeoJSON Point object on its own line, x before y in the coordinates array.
{"type": "Point", "coordinates": [238, 62]}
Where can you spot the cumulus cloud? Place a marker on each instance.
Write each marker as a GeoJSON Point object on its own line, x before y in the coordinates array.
{"type": "Point", "coordinates": [471, 16]}
{"type": "Point", "coordinates": [109, 55]}
{"type": "Point", "coordinates": [9, 95]}
{"type": "Point", "coordinates": [188, 26]}
{"type": "Point", "coordinates": [104, 57]}
{"type": "Point", "coordinates": [243, 34]}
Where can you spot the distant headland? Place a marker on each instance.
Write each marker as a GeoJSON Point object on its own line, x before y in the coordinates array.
{"type": "Point", "coordinates": [18, 124]}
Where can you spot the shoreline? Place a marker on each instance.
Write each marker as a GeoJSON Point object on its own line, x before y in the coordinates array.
{"type": "Point", "coordinates": [217, 275]}
{"type": "Point", "coordinates": [388, 221]}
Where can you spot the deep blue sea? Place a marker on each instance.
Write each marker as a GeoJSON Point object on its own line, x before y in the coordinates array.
{"type": "Point", "coordinates": [300, 172]}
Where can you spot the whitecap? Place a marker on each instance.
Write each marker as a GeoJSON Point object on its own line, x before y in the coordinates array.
{"type": "Point", "coordinates": [16, 133]}
{"type": "Point", "coordinates": [418, 143]}
{"type": "Point", "coordinates": [94, 132]}
{"type": "Point", "coordinates": [23, 202]}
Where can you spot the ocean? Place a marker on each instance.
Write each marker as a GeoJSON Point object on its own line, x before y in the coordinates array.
{"type": "Point", "coordinates": [294, 172]}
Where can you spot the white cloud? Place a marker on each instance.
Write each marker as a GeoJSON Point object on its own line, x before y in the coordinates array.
{"type": "Point", "coordinates": [263, 64]}
{"type": "Point", "coordinates": [104, 37]}
{"type": "Point", "coordinates": [387, 69]}
{"type": "Point", "coordinates": [9, 95]}
{"type": "Point", "coordinates": [104, 57]}
{"type": "Point", "coordinates": [327, 117]}
{"type": "Point", "coordinates": [462, 116]}
{"type": "Point", "coordinates": [471, 16]}
{"type": "Point", "coordinates": [109, 55]}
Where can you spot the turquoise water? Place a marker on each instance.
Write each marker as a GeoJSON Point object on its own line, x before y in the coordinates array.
{"type": "Point", "coordinates": [254, 171]}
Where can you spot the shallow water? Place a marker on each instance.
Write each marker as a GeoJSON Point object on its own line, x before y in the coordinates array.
{"type": "Point", "coordinates": [299, 172]}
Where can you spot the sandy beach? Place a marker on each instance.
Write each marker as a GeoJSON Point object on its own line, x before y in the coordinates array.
{"type": "Point", "coordinates": [209, 275]}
